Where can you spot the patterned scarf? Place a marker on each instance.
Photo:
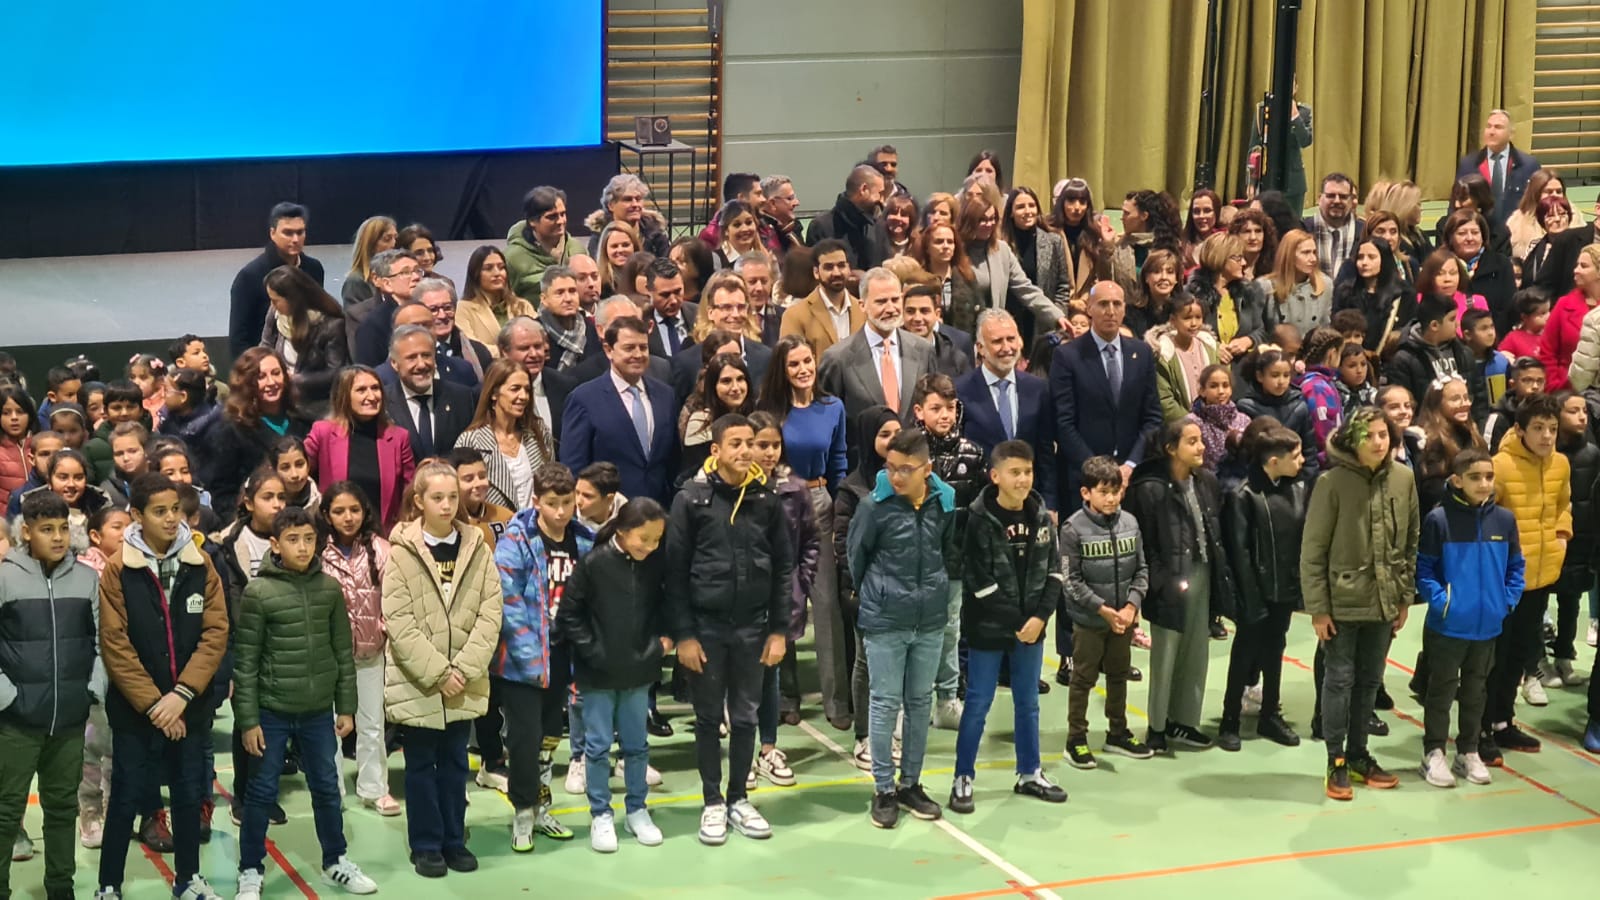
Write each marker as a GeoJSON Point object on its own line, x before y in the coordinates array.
{"type": "Point", "coordinates": [1217, 421]}
{"type": "Point", "coordinates": [571, 341]}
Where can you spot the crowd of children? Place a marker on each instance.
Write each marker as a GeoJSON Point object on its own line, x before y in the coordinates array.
{"type": "Point", "coordinates": [1284, 479]}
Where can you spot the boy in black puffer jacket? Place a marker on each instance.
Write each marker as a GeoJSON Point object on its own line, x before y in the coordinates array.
{"type": "Point", "coordinates": [1429, 350]}
{"type": "Point", "coordinates": [959, 462]}
{"type": "Point", "coordinates": [1262, 520]}
{"type": "Point", "coordinates": [1013, 576]}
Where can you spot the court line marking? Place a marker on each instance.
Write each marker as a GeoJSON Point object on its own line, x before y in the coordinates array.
{"type": "Point", "coordinates": [1027, 885]}
{"type": "Point", "coordinates": [1286, 857]}
{"type": "Point", "coordinates": [277, 855]}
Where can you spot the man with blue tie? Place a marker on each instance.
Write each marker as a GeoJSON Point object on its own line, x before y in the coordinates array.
{"type": "Point", "coordinates": [624, 417]}
{"type": "Point", "coordinates": [1506, 168]}
{"type": "Point", "coordinates": [1000, 403]}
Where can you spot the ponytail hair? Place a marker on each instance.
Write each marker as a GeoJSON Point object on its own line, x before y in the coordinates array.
{"type": "Point", "coordinates": [635, 513]}
{"type": "Point", "coordinates": [1259, 360]}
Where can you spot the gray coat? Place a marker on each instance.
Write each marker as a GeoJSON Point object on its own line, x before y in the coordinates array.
{"type": "Point", "coordinates": [1001, 273]}
{"type": "Point", "coordinates": [848, 372]}
{"type": "Point", "coordinates": [1103, 559]}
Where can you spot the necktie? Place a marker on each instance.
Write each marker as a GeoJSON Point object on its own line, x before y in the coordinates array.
{"type": "Point", "coordinates": [1114, 372]}
{"type": "Point", "coordinates": [1002, 389]}
{"type": "Point", "coordinates": [891, 381]}
{"type": "Point", "coordinates": [641, 422]}
{"type": "Point", "coordinates": [424, 425]}
{"type": "Point", "coordinates": [1497, 173]}
{"type": "Point", "coordinates": [670, 323]}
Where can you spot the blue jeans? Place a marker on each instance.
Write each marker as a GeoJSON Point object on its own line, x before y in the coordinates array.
{"type": "Point", "coordinates": [900, 670]}
{"type": "Point", "coordinates": [983, 676]}
{"type": "Point", "coordinates": [947, 680]}
{"type": "Point", "coordinates": [313, 734]}
{"type": "Point", "coordinates": [436, 787]}
{"type": "Point", "coordinates": [619, 714]}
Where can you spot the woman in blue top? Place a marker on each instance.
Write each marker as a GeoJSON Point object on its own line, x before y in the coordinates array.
{"type": "Point", "coordinates": [814, 441]}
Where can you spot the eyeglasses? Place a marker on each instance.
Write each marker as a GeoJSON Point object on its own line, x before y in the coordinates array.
{"type": "Point", "coordinates": [905, 471]}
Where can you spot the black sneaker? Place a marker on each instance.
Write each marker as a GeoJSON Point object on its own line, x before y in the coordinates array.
{"type": "Point", "coordinates": [1273, 727]}
{"type": "Point", "coordinates": [918, 803]}
{"type": "Point", "coordinates": [885, 809]}
{"type": "Point", "coordinates": [1044, 687]}
{"type": "Point", "coordinates": [1337, 783]}
{"type": "Point", "coordinates": [1512, 738]}
{"type": "Point", "coordinates": [658, 726]}
{"type": "Point", "coordinates": [1377, 727]}
{"type": "Point", "coordinates": [1228, 737]}
{"type": "Point", "coordinates": [1125, 744]}
{"type": "Point", "coordinates": [461, 860]}
{"type": "Point", "coordinates": [1135, 673]}
{"type": "Point", "coordinates": [1036, 785]}
{"type": "Point", "coordinates": [1489, 750]}
{"type": "Point", "coordinates": [1064, 673]}
{"type": "Point", "coordinates": [1218, 632]}
{"type": "Point", "coordinates": [429, 864]}
{"type": "Point", "coordinates": [1156, 741]}
{"type": "Point", "coordinates": [1187, 736]}
{"type": "Point", "coordinates": [1383, 700]}
{"type": "Point", "coordinates": [1366, 770]}
{"type": "Point", "coordinates": [1077, 754]}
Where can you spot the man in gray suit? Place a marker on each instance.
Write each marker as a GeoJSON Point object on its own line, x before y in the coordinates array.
{"type": "Point", "coordinates": [881, 355]}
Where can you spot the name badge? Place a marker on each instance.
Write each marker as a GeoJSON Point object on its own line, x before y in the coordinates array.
{"type": "Point", "coordinates": [196, 603]}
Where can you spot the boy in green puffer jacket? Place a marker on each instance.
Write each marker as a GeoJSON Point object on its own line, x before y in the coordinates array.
{"type": "Point", "coordinates": [293, 660]}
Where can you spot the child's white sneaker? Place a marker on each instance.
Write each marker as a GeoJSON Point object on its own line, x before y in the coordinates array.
{"type": "Point", "coordinates": [748, 821]}
{"type": "Point", "coordinates": [1570, 677]}
{"type": "Point", "coordinates": [947, 714]}
{"type": "Point", "coordinates": [1533, 691]}
{"type": "Point", "coordinates": [643, 828]}
{"type": "Point", "coordinates": [249, 885]}
{"type": "Point", "coordinates": [652, 776]}
{"type": "Point", "coordinates": [199, 889]}
{"type": "Point", "coordinates": [577, 776]}
{"type": "Point", "coordinates": [1435, 772]}
{"type": "Point", "coordinates": [714, 825]}
{"type": "Point", "coordinates": [862, 756]}
{"type": "Point", "coordinates": [603, 833]}
{"type": "Point", "coordinates": [1471, 767]}
{"type": "Point", "coordinates": [346, 874]}
{"type": "Point", "coordinates": [1251, 705]}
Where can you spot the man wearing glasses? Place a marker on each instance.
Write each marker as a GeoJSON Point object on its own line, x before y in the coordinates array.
{"type": "Point", "coordinates": [1335, 225]}
{"type": "Point", "coordinates": [439, 296]}
{"type": "Point", "coordinates": [729, 310]}
{"type": "Point", "coordinates": [395, 274]}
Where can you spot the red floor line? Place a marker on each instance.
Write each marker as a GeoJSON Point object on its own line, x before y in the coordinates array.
{"type": "Point", "coordinates": [279, 858]}
{"type": "Point", "coordinates": [1281, 857]}
{"type": "Point", "coordinates": [164, 870]}
{"type": "Point", "coordinates": [1557, 740]}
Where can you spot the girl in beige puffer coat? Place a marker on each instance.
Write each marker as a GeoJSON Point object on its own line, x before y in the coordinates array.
{"type": "Point", "coordinates": [442, 609]}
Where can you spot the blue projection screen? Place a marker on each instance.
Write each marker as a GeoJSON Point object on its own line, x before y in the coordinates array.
{"type": "Point", "coordinates": [112, 81]}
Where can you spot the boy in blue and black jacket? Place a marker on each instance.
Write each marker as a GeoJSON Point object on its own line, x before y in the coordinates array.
{"type": "Point", "coordinates": [1470, 573]}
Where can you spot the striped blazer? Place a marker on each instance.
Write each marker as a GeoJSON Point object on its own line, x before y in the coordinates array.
{"type": "Point", "coordinates": [502, 490]}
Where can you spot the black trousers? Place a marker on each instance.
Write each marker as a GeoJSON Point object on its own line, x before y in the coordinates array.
{"type": "Point", "coordinates": [1518, 647]}
{"type": "Point", "coordinates": [1257, 648]}
{"type": "Point", "coordinates": [1459, 670]}
{"type": "Point", "coordinates": [533, 731]}
{"type": "Point", "coordinates": [731, 680]}
{"type": "Point", "coordinates": [488, 728]}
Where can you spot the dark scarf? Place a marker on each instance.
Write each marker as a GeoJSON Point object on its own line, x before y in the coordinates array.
{"type": "Point", "coordinates": [1027, 241]}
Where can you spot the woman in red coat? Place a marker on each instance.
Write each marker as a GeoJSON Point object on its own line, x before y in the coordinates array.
{"type": "Point", "coordinates": [1560, 336]}
{"type": "Point", "coordinates": [357, 442]}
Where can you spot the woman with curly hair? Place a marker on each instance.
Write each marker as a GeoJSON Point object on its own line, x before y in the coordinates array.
{"type": "Point", "coordinates": [262, 407]}
{"type": "Point", "coordinates": [1149, 222]}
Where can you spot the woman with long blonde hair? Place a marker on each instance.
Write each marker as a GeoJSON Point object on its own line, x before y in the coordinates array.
{"type": "Point", "coordinates": [1297, 292]}
{"type": "Point", "coordinates": [375, 235]}
{"type": "Point", "coordinates": [618, 242]}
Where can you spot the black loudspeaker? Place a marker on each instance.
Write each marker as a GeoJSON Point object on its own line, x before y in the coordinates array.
{"type": "Point", "coordinates": [652, 131]}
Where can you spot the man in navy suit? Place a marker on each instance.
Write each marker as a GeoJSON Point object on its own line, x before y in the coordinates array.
{"type": "Point", "coordinates": [432, 410]}
{"type": "Point", "coordinates": [1104, 387]}
{"type": "Point", "coordinates": [729, 299]}
{"type": "Point", "coordinates": [952, 347]}
{"type": "Point", "coordinates": [1000, 403]}
{"type": "Point", "coordinates": [671, 314]}
{"type": "Point", "coordinates": [624, 417]}
{"type": "Point", "coordinates": [605, 313]}
{"type": "Point", "coordinates": [1506, 168]}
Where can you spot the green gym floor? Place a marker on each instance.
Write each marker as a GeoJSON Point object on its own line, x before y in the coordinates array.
{"type": "Point", "coordinates": [1206, 824]}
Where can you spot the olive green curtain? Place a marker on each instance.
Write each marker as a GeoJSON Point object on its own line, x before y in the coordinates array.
{"type": "Point", "coordinates": [1398, 88]}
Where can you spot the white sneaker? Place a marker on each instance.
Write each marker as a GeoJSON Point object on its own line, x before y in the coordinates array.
{"type": "Point", "coordinates": [91, 833]}
{"type": "Point", "coordinates": [108, 893]}
{"type": "Point", "coordinates": [249, 885]}
{"type": "Point", "coordinates": [947, 714]}
{"type": "Point", "coordinates": [522, 831]}
{"type": "Point", "coordinates": [1570, 677]}
{"type": "Point", "coordinates": [198, 889]}
{"type": "Point", "coordinates": [22, 847]}
{"type": "Point", "coordinates": [494, 781]}
{"type": "Point", "coordinates": [773, 765]}
{"type": "Point", "coordinates": [603, 834]}
{"type": "Point", "coordinates": [346, 874]}
{"type": "Point", "coordinates": [1533, 691]}
{"type": "Point", "coordinates": [1549, 676]}
{"type": "Point", "coordinates": [652, 776]}
{"type": "Point", "coordinates": [1435, 772]}
{"type": "Point", "coordinates": [577, 776]}
{"type": "Point", "coordinates": [1594, 633]}
{"type": "Point", "coordinates": [862, 756]}
{"type": "Point", "coordinates": [751, 782]}
{"type": "Point", "coordinates": [748, 821]}
{"type": "Point", "coordinates": [643, 828]}
{"type": "Point", "coordinates": [713, 825]}
{"type": "Point", "coordinates": [1470, 766]}
{"type": "Point", "coordinates": [1251, 705]}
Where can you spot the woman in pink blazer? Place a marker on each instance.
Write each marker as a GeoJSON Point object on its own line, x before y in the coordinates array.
{"type": "Point", "coordinates": [358, 442]}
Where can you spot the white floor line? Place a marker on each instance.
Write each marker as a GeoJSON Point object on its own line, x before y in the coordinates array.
{"type": "Point", "coordinates": [971, 843]}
